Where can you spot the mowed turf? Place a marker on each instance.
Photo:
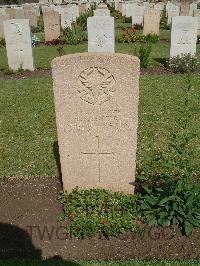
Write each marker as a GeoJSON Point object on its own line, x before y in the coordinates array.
{"type": "Point", "coordinates": [28, 129]}
{"type": "Point", "coordinates": [43, 55]}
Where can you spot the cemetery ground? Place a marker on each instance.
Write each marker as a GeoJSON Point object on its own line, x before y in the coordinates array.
{"type": "Point", "coordinates": [44, 55]}
{"type": "Point", "coordinates": [30, 172]}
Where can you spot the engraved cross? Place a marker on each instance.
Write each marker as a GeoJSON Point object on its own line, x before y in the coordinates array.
{"type": "Point", "coordinates": [98, 153]}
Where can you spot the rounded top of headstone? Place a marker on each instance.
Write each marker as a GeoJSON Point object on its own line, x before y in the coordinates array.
{"type": "Point", "coordinates": [83, 56]}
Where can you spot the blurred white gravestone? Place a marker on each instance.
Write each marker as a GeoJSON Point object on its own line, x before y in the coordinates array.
{"type": "Point", "coordinates": [69, 15]}
{"type": "Point", "coordinates": [193, 8]}
{"type": "Point", "coordinates": [138, 15]}
{"type": "Point", "coordinates": [101, 37]}
{"type": "Point", "coordinates": [3, 17]}
{"type": "Point", "coordinates": [197, 15]}
{"type": "Point", "coordinates": [183, 35]}
{"type": "Point", "coordinates": [18, 44]}
{"type": "Point", "coordinates": [173, 11]}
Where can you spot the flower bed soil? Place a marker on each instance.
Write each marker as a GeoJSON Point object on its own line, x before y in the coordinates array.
{"type": "Point", "coordinates": [29, 208]}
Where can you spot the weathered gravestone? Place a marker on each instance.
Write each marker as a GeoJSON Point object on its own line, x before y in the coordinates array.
{"type": "Point", "coordinates": [129, 9]}
{"type": "Point", "coordinates": [69, 15]}
{"type": "Point", "coordinates": [96, 103]}
{"type": "Point", "coordinates": [30, 14]}
{"type": "Point", "coordinates": [3, 17]}
{"type": "Point", "coordinates": [197, 15]}
{"type": "Point", "coordinates": [183, 35]}
{"type": "Point", "coordinates": [138, 14]}
{"type": "Point", "coordinates": [83, 7]}
{"type": "Point", "coordinates": [11, 12]}
{"type": "Point", "coordinates": [173, 11]}
{"type": "Point", "coordinates": [102, 10]}
{"type": "Point", "coordinates": [51, 25]}
{"type": "Point", "coordinates": [185, 7]}
{"type": "Point", "coordinates": [159, 6]}
{"type": "Point", "coordinates": [101, 37]}
{"type": "Point", "coordinates": [18, 44]}
{"type": "Point", "coordinates": [123, 9]}
{"type": "Point", "coordinates": [19, 14]}
{"type": "Point", "coordinates": [151, 22]}
{"type": "Point", "coordinates": [193, 8]}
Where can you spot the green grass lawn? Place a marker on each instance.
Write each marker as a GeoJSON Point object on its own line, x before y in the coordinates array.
{"type": "Point", "coordinates": [102, 263]}
{"type": "Point", "coordinates": [43, 55]}
{"type": "Point", "coordinates": [28, 129]}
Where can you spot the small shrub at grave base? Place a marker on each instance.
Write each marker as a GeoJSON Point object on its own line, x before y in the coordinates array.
{"type": "Point", "coordinates": [54, 42]}
{"type": "Point", "coordinates": [132, 36]}
{"type": "Point", "coordinates": [144, 55]}
{"type": "Point", "coordinates": [175, 203]}
{"type": "Point", "coordinates": [81, 21]}
{"type": "Point", "coordinates": [183, 64]}
{"type": "Point", "coordinates": [8, 71]}
{"type": "Point", "coordinates": [2, 43]}
{"type": "Point", "coordinates": [94, 211]}
{"type": "Point", "coordinates": [198, 39]}
{"type": "Point", "coordinates": [74, 35]}
{"type": "Point", "coordinates": [163, 22]}
{"type": "Point", "coordinates": [151, 38]}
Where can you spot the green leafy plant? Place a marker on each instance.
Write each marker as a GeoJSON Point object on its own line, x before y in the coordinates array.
{"type": "Point", "coordinates": [183, 64]}
{"type": "Point", "coordinates": [61, 51]}
{"type": "Point", "coordinates": [40, 26]}
{"type": "Point", "coordinates": [94, 211]}
{"type": "Point", "coordinates": [173, 199]}
{"type": "Point", "coordinates": [163, 22]}
{"type": "Point", "coordinates": [8, 71]}
{"type": "Point", "coordinates": [81, 21]}
{"type": "Point", "coordinates": [143, 53]}
{"type": "Point", "coordinates": [74, 35]}
{"type": "Point", "coordinates": [151, 38]}
{"type": "Point", "coordinates": [176, 203]}
{"type": "Point", "coordinates": [114, 13]}
{"type": "Point", "coordinates": [2, 43]}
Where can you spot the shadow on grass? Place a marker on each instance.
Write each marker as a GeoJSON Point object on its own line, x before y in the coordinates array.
{"type": "Point", "coordinates": [17, 249]}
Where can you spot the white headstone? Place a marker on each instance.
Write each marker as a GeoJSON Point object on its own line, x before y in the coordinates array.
{"type": "Point", "coordinates": [138, 15]}
{"type": "Point", "coordinates": [197, 15]}
{"type": "Point", "coordinates": [173, 11]}
{"type": "Point", "coordinates": [101, 12]}
{"type": "Point", "coordinates": [69, 15]}
{"type": "Point", "coordinates": [3, 17]}
{"type": "Point", "coordinates": [18, 44]}
{"type": "Point", "coordinates": [193, 7]}
{"type": "Point", "coordinates": [101, 37]}
{"type": "Point", "coordinates": [183, 35]}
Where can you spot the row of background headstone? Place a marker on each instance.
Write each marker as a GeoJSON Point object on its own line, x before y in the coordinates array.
{"type": "Point", "coordinates": [101, 35]}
